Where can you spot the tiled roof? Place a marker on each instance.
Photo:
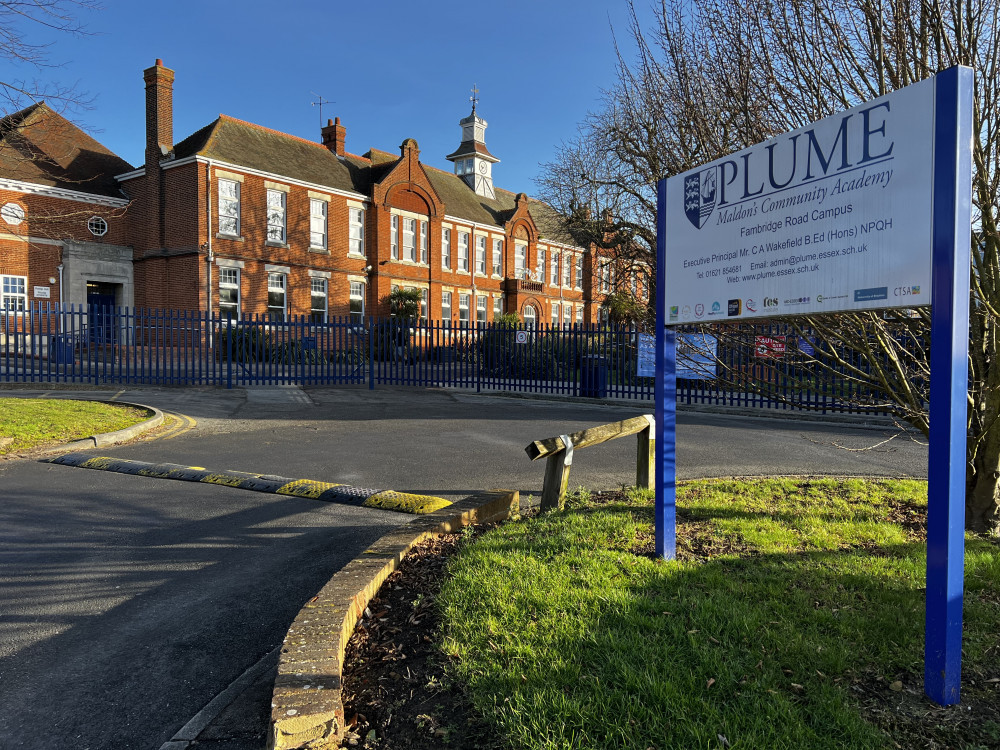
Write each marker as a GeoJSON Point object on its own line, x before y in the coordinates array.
{"type": "Point", "coordinates": [41, 146]}
{"type": "Point", "coordinates": [247, 145]}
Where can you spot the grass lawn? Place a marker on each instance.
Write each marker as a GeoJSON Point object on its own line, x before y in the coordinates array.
{"type": "Point", "coordinates": [32, 422]}
{"type": "Point", "coordinates": [793, 619]}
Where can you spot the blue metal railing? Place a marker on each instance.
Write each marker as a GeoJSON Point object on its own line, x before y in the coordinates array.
{"type": "Point", "coordinates": [123, 346]}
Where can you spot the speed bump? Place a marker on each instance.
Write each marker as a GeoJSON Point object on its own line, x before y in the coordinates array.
{"type": "Point", "coordinates": [401, 502]}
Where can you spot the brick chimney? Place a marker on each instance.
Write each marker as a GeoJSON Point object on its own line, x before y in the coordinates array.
{"type": "Point", "coordinates": [159, 142]}
{"type": "Point", "coordinates": [334, 136]}
{"type": "Point", "coordinates": [159, 112]}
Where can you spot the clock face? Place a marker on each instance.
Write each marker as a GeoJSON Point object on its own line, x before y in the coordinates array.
{"type": "Point", "coordinates": [12, 213]}
{"type": "Point", "coordinates": [482, 167]}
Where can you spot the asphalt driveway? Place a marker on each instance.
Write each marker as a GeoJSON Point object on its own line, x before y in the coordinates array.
{"type": "Point", "coordinates": [127, 603]}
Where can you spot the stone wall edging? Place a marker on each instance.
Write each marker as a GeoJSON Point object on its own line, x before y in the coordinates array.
{"type": "Point", "coordinates": [307, 709]}
{"type": "Point", "coordinates": [104, 439]}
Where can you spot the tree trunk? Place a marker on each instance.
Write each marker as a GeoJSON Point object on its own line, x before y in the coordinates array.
{"type": "Point", "coordinates": [982, 496]}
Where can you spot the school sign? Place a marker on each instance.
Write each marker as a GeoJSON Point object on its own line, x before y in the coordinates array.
{"type": "Point", "coordinates": [868, 209]}
{"type": "Point", "coordinates": [831, 217]}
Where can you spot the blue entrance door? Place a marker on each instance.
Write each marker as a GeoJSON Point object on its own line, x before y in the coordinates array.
{"type": "Point", "coordinates": [101, 307]}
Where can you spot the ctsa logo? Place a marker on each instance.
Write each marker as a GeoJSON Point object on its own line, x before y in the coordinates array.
{"type": "Point", "coordinates": [770, 301]}
{"type": "Point", "coordinates": [700, 190]}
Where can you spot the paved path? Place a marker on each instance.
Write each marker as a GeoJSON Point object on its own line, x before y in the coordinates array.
{"type": "Point", "coordinates": [128, 603]}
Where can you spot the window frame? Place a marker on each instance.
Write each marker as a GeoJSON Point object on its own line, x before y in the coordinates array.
{"type": "Point", "coordinates": [480, 255]}
{"type": "Point", "coordinates": [394, 237]}
{"type": "Point", "coordinates": [9, 294]}
{"type": "Point", "coordinates": [283, 288]}
{"type": "Point", "coordinates": [445, 305]}
{"type": "Point", "coordinates": [277, 232]}
{"type": "Point", "coordinates": [482, 308]}
{"type": "Point", "coordinates": [356, 231]}
{"type": "Point", "coordinates": [97, 226]}
{"type": "Point", "coordinates": [229, 201]}
{"type": "Point", "coordinates": [446, 248]}
{"type": "Point", "coordinates": [322, 219]}
{"type": "Point", "coordinates": [520, 260]}
{"type": "Point", "coordinates": [498, 258]}
{"type": "Point", "coordinates": [409, 248]}
{"type": "Point", "coordinates": [578, 263]}
{"type": "Point", "coordinates": [224, 271]}
{"type": "Point", "coordinates": [356, 316]}
{"type": "Point", "coordinates": [313, 295]}
{"type": "Point", "coordinates": [463, 306]}
{"type": "Point", "coordinates": [463, 252]}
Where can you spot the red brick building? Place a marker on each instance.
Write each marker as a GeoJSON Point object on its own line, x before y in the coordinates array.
{"type": "Point", "coordinates": [237, 217]}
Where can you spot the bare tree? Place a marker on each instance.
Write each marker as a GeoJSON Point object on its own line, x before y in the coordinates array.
{"type": "Point", "coordinates": [36, 143]}
{"type": "Point", "coordinates": [710, 77]}
{"type": "Point", "coordinates": [27, 60]}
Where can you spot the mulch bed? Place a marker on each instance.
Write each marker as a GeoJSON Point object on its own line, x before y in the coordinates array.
{"type": "Point", "coordinates": [398, 694]}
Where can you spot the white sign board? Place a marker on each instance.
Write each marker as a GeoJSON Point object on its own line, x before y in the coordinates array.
{"type": "Point", "coordinates": [42, 292]}
{"type": "Point", "coordinates": [831, 217]}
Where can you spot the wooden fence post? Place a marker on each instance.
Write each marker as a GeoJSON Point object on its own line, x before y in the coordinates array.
{"type": "Point", "coordinates": [645, 457]}
{"type": "Point", "coordinates": [557, 468]}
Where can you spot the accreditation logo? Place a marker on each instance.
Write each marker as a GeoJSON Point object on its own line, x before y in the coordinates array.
{"type": "Point", "coordinates": [700, 191]}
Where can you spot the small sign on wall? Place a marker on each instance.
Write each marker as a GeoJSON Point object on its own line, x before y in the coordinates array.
{"type": "Point", "coordinates": [42, 292]}
{"type": "Point", "coordinates": [769, 347]}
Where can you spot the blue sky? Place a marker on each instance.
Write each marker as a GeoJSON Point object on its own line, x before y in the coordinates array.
{"type": "Point", "coordinates": [393, 70]}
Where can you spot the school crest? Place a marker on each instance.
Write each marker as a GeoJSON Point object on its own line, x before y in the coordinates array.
{"type": "Point", "coordinates": [700, 196]}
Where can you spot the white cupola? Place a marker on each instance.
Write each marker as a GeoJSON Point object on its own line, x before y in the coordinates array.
{"type": "Point", "coordinates": [473, 161]}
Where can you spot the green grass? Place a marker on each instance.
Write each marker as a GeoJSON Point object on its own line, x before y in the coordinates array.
{"type": "Point", "coordinates": [788, 597]}
{"type": "Point", "coordinates": [34, 422]}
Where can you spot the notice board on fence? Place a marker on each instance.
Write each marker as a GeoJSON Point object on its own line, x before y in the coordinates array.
{"type": "Point", "coordinates": [697, 356]}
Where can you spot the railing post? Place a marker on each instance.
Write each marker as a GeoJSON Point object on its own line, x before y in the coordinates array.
{"type": "Point", "coordinates": [645, 458]}
{"type": "Point", "coordinates": [371, 353]}
{"type": "Point", "coordinates": [230, 335]}
{"type": "Point", "coordinates": [557, 468]}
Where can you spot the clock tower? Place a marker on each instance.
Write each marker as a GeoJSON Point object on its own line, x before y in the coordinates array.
{"type": "Point", "coordinates": [473, 161]}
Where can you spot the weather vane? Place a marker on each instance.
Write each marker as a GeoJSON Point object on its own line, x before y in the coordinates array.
{"type": "Point", "coordinates": [320, 103]}
{"type": "Point", "coordinates": [474, 98]}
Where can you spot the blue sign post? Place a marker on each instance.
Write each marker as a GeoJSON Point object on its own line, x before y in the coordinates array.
{"type": "Point", "coordinates": [950, 237]}
{"type": "Point", "coordinates": [665, 394]}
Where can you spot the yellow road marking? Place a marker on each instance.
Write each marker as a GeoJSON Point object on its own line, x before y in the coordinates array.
{"type": "Point", "coordinates": [179, 424]}
{"type": "Point", "coordinates": [225, 479]}
{"type": "Point", "coordinates": [306, 488]}
{"type": "Point", "coordinates": [405, 502]}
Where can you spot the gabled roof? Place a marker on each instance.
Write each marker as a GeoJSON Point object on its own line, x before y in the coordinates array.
{"type": "Point", "coordinates": [40, 146]}
{"type": "Point", "coordinates": [247, 145]}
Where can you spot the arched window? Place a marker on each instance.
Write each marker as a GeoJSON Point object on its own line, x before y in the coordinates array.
{"type": "Point", "coordinates": [529, 316]}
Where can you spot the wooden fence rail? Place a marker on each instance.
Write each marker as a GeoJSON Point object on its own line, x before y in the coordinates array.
{"type": "Point", "coordinates": [559, 454]}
